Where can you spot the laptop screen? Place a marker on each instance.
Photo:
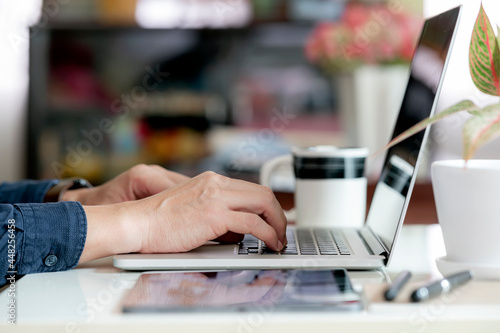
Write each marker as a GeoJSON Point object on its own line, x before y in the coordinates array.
{"type": "Point", "coordinates": [393, 190]}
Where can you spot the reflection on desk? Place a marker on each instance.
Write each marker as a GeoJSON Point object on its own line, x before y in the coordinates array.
{"type": "Point", "coordinates": [90, 297]}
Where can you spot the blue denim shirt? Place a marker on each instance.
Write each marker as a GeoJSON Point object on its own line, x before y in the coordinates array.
{"type": "Point", "coordinates": [38, 237]}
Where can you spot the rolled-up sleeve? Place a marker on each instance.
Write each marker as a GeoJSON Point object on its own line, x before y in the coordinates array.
{"type": "Point", "coordinates": [36, 237]}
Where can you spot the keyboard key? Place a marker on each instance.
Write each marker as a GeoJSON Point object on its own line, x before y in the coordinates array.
{"type": "Point", "coordinates": [328, 252]}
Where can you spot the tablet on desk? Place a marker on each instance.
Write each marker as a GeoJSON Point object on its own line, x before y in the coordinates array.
{"type": "Point", "coordinates": [244, 290]}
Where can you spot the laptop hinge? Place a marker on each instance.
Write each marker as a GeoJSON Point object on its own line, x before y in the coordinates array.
{"type": "Point", "coordinates": [373, 242]}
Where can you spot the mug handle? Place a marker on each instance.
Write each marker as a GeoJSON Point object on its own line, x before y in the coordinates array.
{"type": "Point", "coordinates": [266, 172]}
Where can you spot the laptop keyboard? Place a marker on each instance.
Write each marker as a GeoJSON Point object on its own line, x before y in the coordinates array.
{"type": "Point", "coordinates": [300, 242]}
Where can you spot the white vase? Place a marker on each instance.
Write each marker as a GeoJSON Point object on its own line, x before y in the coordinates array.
{"type": "Point", "coordinates": [369, 100]}
{"type": "Point", "coordinates": [468, 206]}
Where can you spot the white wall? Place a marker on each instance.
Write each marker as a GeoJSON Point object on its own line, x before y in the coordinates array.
{"type": "Point", "coordinates": [458, 84]}
{"type": "Point", "coordinates": [15, 16]}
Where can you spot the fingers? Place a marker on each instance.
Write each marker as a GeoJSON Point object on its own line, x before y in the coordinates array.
{"type": "Point", "coordinates": [271, 209]}
{"type": "Point", "coordinates": [175, 177]}
{"type": "Point", "coordinates": [238, 195]}
{"type": "Point", "coordinates": [262, 203]}
{"type": "Point", "coordinates": [248, 223]}
{"type": "Point", "coordinates": [149, 180]}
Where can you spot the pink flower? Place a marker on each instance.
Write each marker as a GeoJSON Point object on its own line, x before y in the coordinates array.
{"type": "Point", "coordinates": [355, 15]}
{"type": "Point", "coordinates": [365, 34]}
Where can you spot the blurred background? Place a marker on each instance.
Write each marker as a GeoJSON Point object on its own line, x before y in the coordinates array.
{"type": "Point", "coordinates": [93, 87]}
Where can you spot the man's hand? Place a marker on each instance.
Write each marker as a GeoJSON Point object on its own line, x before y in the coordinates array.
{"type": "Point", "coordinates": [184, 217]}
{"type": "Point", "coordinates": [139, 182]}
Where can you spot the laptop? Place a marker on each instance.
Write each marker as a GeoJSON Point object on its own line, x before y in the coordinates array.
{"type": "Point", "coordinates": [368, 247]}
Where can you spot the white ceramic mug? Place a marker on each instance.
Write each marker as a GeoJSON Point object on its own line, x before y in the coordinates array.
{"type": "Point", "coordinates": [330, 185]}
{"type": "Point", "coordinates": [468, 207]}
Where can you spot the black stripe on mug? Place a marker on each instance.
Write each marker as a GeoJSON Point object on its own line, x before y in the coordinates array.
{"type": "Point", "coordinates": [329, 167]}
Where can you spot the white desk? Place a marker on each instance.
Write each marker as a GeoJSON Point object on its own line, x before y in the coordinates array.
{"type": "Point", "coordinates": [89, 299]}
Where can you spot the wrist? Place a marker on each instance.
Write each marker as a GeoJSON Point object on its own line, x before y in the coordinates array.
{"type": "Point", "coordinates": [130, 226]}
{"type": "Point", "coordinates": [110, 230]}
{"type": "Point", "coordinates": [65, 189]}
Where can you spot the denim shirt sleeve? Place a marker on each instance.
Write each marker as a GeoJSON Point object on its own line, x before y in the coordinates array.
{"type": "Point", "coordinates": [36, 237]}
{"type": "Point", "coordinates": [25, 191]}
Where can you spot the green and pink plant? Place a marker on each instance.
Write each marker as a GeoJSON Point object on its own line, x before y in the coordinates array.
{"type": "Point", "coordinates": [484, 64]}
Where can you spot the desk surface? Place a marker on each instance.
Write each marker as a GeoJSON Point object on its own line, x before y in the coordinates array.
{"type": "Point", "coordinates": [89, 298]}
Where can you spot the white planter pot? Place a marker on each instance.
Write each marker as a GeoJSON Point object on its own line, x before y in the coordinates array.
{"type": "Point", "coordinates": [468, 207]}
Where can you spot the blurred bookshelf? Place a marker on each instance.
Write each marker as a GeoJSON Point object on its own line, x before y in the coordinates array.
{"type": "Point", "coordinates": [214, 85]}
{"type": "Point", "coordinates": [106, 93]}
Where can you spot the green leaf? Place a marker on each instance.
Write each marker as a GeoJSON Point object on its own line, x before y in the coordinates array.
{"type": "Point", "coordinates": [481, 129]}
{"type": "Point", "coordinates": [484, 56]}
{"type": "Point", "coordinates": [498, 35]}
{"type": "Point", "coordinates": [459, 107]}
